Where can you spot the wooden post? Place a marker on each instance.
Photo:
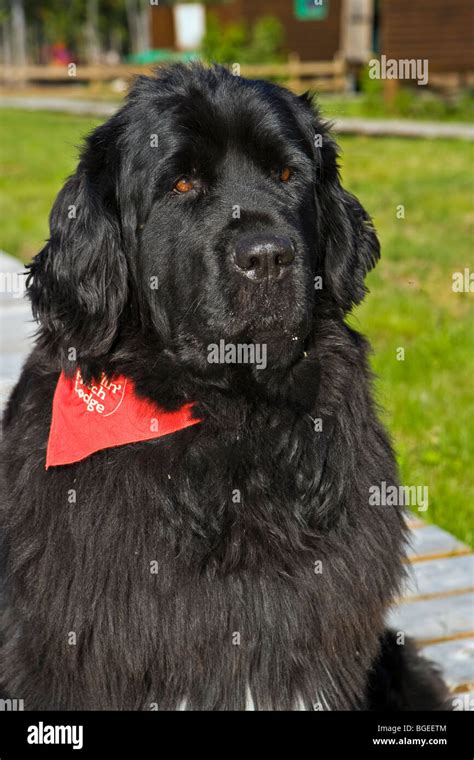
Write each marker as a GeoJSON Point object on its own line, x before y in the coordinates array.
{"type": "Point", "coordinates": [390, 89]}
{"type": "Point", "coordinates": [294, 81]}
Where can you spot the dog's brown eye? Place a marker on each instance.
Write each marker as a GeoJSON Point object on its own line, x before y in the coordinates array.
{"type": "Point", "coordinates": [285, 174]}
{"type": "Point", "coordinates": [183, 186]}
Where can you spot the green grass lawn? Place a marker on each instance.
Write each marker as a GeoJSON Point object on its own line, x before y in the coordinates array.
{"type": "Point", "coordinates": [427, 398]}
{"type": "Point", "coordinates": [38, 151]}
{"type": "Point", "coordinates": [408, 104]}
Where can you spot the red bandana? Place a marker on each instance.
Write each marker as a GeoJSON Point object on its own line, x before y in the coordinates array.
{"type": "Point", "coordinates": [90, 418]}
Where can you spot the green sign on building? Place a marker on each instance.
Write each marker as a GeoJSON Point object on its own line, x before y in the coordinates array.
{"type": "Point", "coordinates": [311, 10]}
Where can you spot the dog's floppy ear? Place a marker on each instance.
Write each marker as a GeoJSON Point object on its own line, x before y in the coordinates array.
{"type": "Point", "coordinates": [351, 246]}
{"type": "Point", "coordinates": [348, 247]}
{"type": "Point", "coordinates": [78, 282]}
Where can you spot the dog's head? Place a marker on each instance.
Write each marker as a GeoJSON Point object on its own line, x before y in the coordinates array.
{"type": "Point", "coordinates": [208, 208]}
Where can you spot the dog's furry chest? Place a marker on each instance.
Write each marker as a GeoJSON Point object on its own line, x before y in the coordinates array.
{"type": "Point", "coordinates": [198, 568]}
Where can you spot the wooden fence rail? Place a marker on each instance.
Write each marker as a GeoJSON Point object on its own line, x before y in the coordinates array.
{"type": "Point", "coordinates": [296, 74]}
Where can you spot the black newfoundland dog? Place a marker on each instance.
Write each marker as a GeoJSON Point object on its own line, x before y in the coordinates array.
{"type": "Point", "coordinates": [188, 453]}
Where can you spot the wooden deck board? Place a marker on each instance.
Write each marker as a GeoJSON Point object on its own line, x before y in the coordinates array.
{"type": "Point", "coordinates": [456, 660]}
{"type": "Point", "coordinates": [429, 540]}
{"type": "Point", "coordinates": [437, 608]}
{"type": "Point", "coordinates": [440, 576]}
{"type": "Point", "coordinates": [435, 618]}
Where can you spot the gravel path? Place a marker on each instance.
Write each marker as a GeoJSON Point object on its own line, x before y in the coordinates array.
{"type": "Point", "coordinates": [358, 126]}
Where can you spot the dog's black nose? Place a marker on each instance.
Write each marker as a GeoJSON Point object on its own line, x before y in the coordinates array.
{"type": "Point", "coordinates": [262, 256]}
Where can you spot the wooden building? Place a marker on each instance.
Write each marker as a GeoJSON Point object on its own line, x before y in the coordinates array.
{"type": "Point", "coordinates": [438, 30]}
{"type": "Point", "coordinates": [441, 32]}
{"type": "Point", "coordinates": [315, 39]}
{"type": "Point", "coordinates": [315, 32]}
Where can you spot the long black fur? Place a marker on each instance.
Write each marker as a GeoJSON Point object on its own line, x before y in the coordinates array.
{"type": "Point", "coordinates": [238, 614]}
